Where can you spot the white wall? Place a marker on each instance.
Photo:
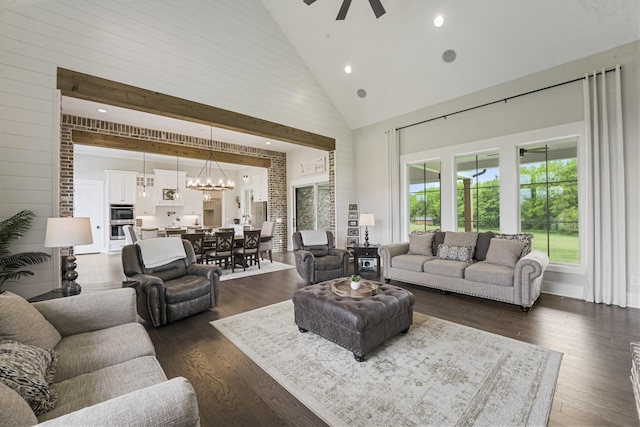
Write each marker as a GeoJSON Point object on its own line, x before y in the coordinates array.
{"type": "Point", "coordinates": [227, 53]}
{"type": "Point", "coordinates": [554, 107]}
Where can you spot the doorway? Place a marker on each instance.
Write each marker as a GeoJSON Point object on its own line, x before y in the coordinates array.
{"type": "Point", "coordinates": [88, 201]}
{"type": "Point", "coordinates": [312, 207]}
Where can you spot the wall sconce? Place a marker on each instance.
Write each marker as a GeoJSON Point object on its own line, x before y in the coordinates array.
{"type": "Point", "coordinates": [245, 178]}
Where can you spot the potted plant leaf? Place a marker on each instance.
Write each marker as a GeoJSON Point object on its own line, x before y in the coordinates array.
{"type": "Point", "coordinates": [12, 265]}
{"type": "Point", "coordinates": [355, 281]}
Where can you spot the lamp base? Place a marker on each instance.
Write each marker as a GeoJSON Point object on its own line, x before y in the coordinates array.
{"type": "Point", "coordinates": [366, 237]}
{"type": "Point", "coordinates": [69, 289]}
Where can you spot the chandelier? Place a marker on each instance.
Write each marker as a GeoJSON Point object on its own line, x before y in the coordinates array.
{"type": "Point", "coordinates": [207, 184]}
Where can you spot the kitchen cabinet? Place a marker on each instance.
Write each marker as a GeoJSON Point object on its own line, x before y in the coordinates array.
{"type": "Point", "coordinates": [193, 202]}
{"type": "Point", "coordinates": [146, 206]}
{"type": "Point", "coordinates": [260, 187]}
{"type": "Point", "coordinates": [121, 187]}
{"type": "Point", "coordinates": [165, 184]}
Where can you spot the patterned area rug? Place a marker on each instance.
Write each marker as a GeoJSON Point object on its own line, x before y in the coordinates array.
{"type": "Point", "coordinates": [439, 374]}
{"type": "Point", "coordinates": [265, 267]}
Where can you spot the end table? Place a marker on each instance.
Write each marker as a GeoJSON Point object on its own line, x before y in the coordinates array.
{"type": "Point", "coordinates": [366, 260]}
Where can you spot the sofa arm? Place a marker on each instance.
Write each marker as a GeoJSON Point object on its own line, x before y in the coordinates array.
{"type": "Point", "coordinates": [169, 403]}
{"type": "Point", "coordinates": [344, 255]}
{"type": "Point", "coordinates": [304, 264]}
{"type": "Point", "coordinates": [388, 251]}
{"type": "Point", "coordinates": [528, 276]}
{"type": "Point", "coordinates": [91, 311]}
{"type": "Point", "coordinates": [212, 273]}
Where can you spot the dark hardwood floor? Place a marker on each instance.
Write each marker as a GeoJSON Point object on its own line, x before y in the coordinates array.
{"type": "Point", "coordinates": [593, 386]}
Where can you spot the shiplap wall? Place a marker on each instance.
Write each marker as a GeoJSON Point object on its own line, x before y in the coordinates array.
{"type": "Point", "coordinates": [226, 53]}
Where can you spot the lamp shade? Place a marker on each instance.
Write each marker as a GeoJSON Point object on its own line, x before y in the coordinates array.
{"type": "Point", "coordinates": [367, 219]}
{"type": "Point", "coordinates": [72, 231]}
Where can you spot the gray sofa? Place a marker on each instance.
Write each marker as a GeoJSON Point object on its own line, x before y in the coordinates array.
{"type": "Point", "coordinates": [106, 372]}
{"type": "Point", "coordinates": [500, 267]}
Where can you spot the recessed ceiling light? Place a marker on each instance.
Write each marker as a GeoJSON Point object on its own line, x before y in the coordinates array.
{"type": "Point", "coordinates": [361, 93]}
{"type": "Point", "coordinates": [268, 142]}
{"type": "Point", "coordinates": [438, 21]}
{"type": "Point", "coordinates": [347, 69]}
{"type": "Point", "coordinates": [101, 110]}
{"type": "Point", "coordinates": [449, 56]}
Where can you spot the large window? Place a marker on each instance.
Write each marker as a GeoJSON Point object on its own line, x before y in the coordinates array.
{"type": "Point", "coordinates": [313, 207]}
{"type": "Point", "coordinates": [478, 193]}
{"type": "Point", "coordinates": [424, 196]}
{"type": "Point", "coordinates": [549, 199]}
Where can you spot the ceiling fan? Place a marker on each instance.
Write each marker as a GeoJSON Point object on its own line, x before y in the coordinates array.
{"type": "Point", "coordinates": [378, 10]}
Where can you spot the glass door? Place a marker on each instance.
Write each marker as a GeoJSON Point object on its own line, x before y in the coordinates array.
{"type": "Point", "coordinates": [312, 207]}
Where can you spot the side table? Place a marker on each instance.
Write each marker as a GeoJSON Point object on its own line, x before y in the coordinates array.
{"type": "Point", "coordinates": [366, 261]}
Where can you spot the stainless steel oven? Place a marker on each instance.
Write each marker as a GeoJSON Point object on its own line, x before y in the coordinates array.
{"type": "Point", "coordinates": [119, 216]}
{"type": "Point", "coordinates": [122, 213]}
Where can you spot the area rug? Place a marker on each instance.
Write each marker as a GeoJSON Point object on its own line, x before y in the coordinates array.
{"type": "Point", "coordinates": [439, 374]}
{"type": "Point", "coordinates": [265, 267]}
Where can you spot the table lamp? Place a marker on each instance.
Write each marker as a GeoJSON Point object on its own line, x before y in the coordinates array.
{"type": "Point", "coordinates": [64, 232]}
{"type": "Point", "coordinates": [367, 219]}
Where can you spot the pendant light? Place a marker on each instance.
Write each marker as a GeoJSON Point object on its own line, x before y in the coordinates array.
{"type": "Point", "coordinates": [177, 195]}
{"type": "Point", "coordinates": [144, 194]}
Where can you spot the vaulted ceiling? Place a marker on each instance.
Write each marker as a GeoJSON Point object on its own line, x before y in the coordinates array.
{"type": "Point", "coordinates": [398, 58]}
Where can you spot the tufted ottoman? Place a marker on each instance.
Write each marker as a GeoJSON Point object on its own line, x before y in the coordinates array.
{"type": "Point", "coordinates": [357, 324]}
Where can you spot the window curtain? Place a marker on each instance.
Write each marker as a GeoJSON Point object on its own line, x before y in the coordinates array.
{"type": "Point", "coordinates": [607, 267]}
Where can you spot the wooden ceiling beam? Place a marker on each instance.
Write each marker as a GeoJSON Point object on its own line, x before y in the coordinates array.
{"type": "Point", "coordinates": [91, 88]}
{"type": "Point", "coordinates": [145, 146]}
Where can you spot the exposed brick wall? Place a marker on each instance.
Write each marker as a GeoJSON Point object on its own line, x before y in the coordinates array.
{"type": "Point", "coordinates": [277, 172]}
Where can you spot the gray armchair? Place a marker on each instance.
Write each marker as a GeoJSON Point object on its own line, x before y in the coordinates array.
{"type": "Point", "coordinates": [172, 291]}
{"type": "Point", "coordinates": [317, 258]}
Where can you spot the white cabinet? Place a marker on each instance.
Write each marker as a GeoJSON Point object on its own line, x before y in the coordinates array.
{"type": "Point", "coordinates": [121, 187]}
{"type": "Point", "coordinates": [193, 202]}
{"type": "Point", "coordinates": [146, 206]}
{"type": "Point", "coordinates": [165, 184]}
{"type": "Point", "coordinates": [260, 188]}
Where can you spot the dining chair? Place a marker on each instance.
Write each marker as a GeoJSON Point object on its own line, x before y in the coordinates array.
{"type": "Point", "coordinates": [248, 253]}
{"type": "Point", "coordinates": [149, 233]}
{"type": "Point", "coordinates": [173, 231]}
{"type": "Point", "coordinates": [197, 241]}
{"type": "Point", "coordinates": [266, 239]}
{"type": "Point", "coordinates": [223, 250]}
{"type": "Point", "coordinates": [129, 234]}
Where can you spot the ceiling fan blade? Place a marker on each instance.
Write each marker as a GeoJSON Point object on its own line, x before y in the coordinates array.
{"type": "Point", "coordinates": [377, 8]}
{"type": "Point", "coordinates": [343, 10]}
{"type": "Point", "coordinates": [309, 1]}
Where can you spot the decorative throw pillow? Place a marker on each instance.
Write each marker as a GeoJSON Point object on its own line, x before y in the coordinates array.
{"type": "Point", "coordinates": [456, 253]}
{"type": "Point", "coordinates": [482, 246]}
{"type": "Point", "coordinates": [420, 244]}
{"type": "Point", "coordinates": [522, 237]}
{"type": "Point", "coordinates": [504, 252]}
{"type": "Point", "coordinates": [29, 370]}
{"type": "Point", "coordinates": [468, 238]}
{"type": "Point", "coordinates": [22, 322]}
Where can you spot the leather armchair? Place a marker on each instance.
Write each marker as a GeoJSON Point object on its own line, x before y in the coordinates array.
{"type": "Point", "coordinates": [319, 262]}
{"type": "Point", "coordinates": [172, 291]}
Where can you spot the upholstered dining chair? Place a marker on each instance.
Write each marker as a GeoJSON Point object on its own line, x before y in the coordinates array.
{"type": "Point", "coordinates": [173, 231]}
{"type": "Point", "coordinates": [248, 253]}
{"type": "Point", "coordinates": [223, 249]}
{"type": "Point", "coordinates": [317, 258]}
{"type": "Point", "coordinates": [171, 285]}
{"type": "Point", "coordinates": [197, 241]}
{"type": "Point", "coordinates": [266, 239]}
{"type": "Point", "coordinates": [129, 234]}
{"type": "Point", "coordinates": [148, 233]}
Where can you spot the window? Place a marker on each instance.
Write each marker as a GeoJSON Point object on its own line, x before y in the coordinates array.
{"type": "Point", "coordinates": [313, 207]}
{"type": "Point", "coordinates": [549, 199]}
{"type": "Point", "coordinates": [424, 196]}
{"type": "Point", "coordinates": [478, 192]}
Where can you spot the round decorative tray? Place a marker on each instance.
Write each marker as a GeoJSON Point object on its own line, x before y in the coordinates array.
{"type": "Point", "coordinates": [342, 287]}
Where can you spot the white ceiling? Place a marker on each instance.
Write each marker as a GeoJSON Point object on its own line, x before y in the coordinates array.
{"type": "Point", "coordinates": [397, 59]}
